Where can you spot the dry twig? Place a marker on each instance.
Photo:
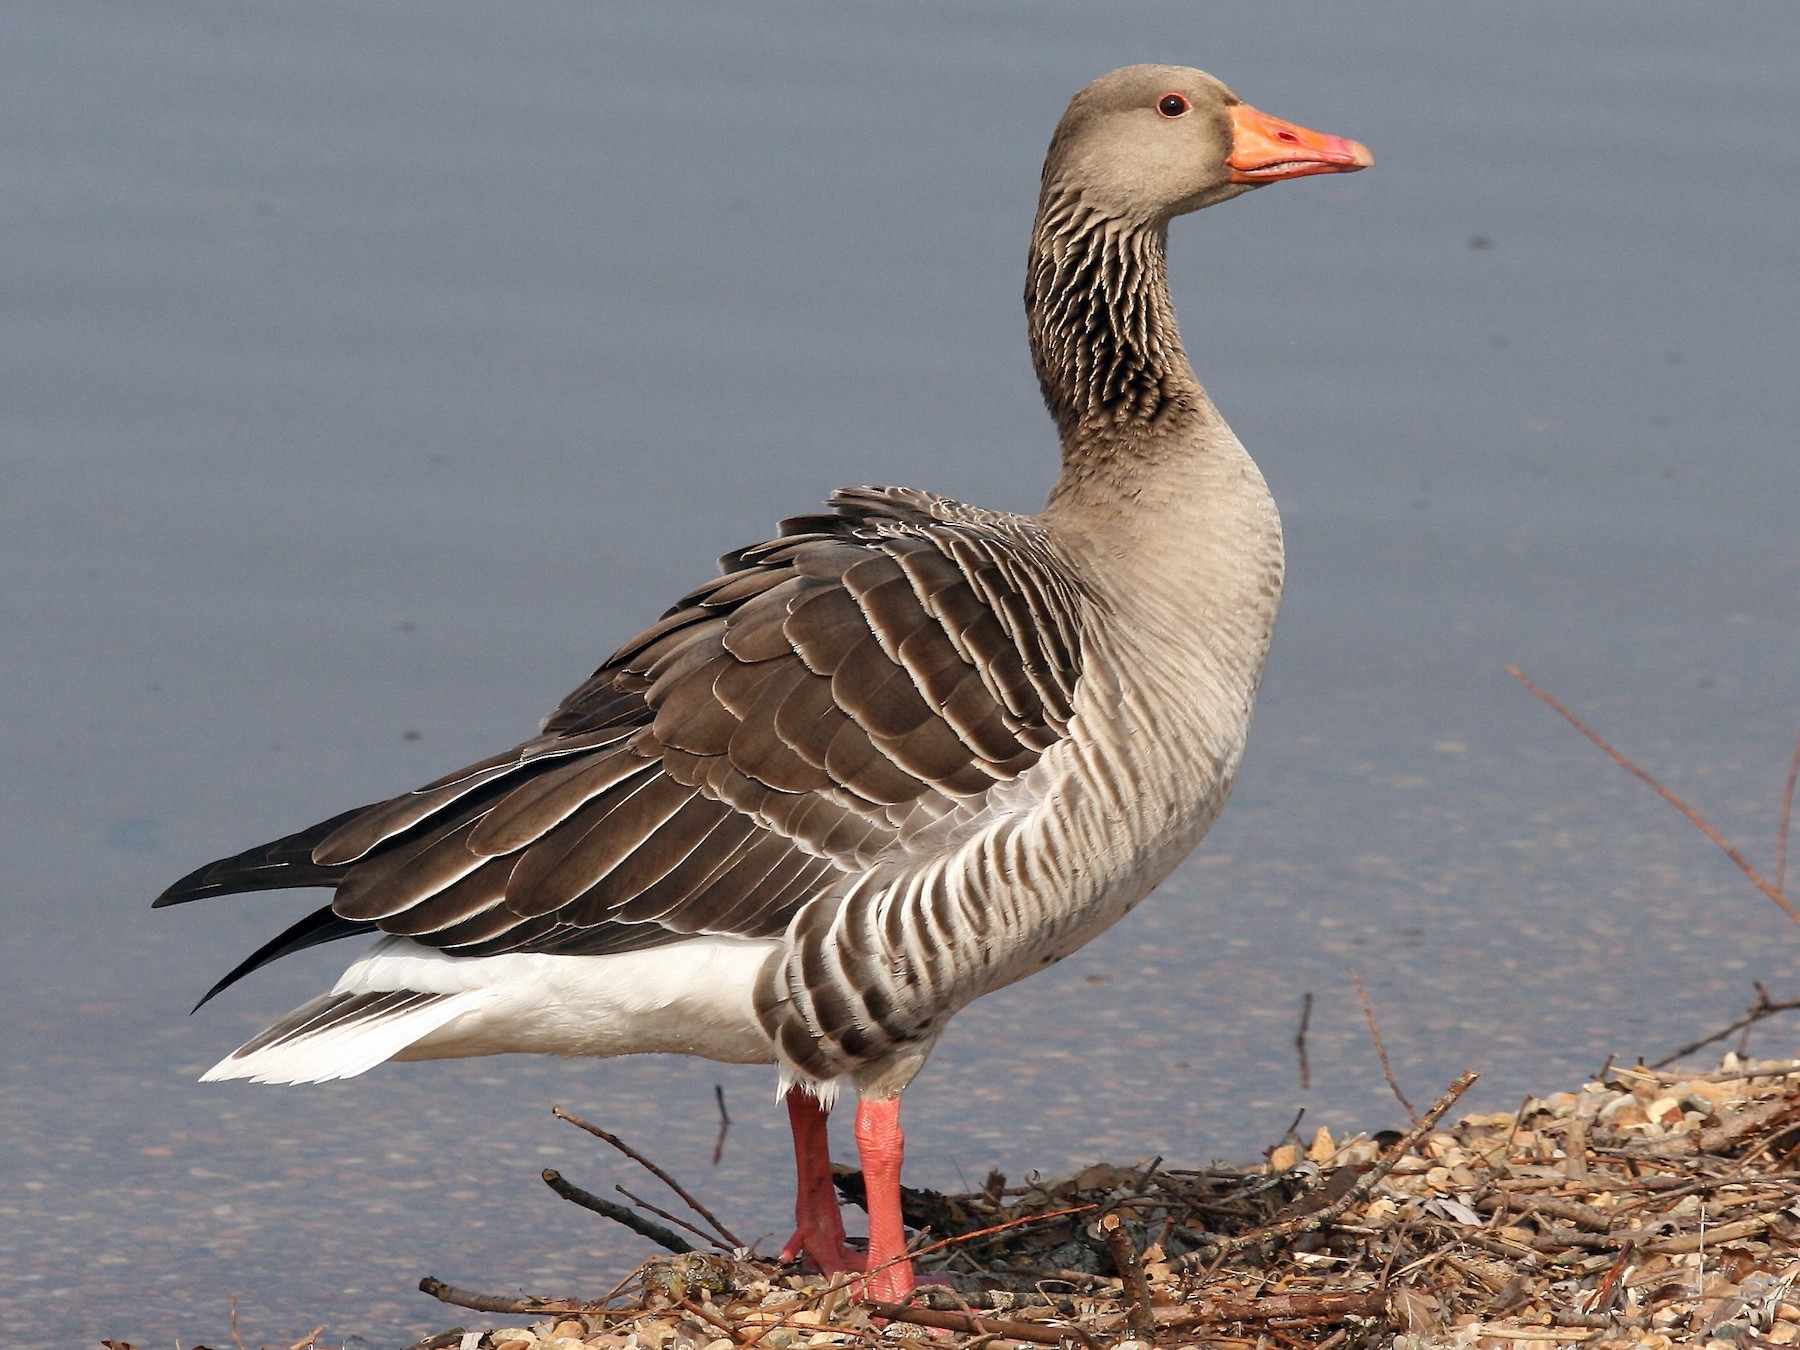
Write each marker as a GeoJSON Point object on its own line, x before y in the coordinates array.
{"type": "Point", "coordinates": [1787, 818]}
{"type": "Point", "coordinates": [1035, 1332]}
{"type": "Point", "coordinates": [1277, 1307]}
{"type": "Point", "coordinates": [675, 1219]}
{"type": "Point", "coordinates": [1125, 1260]}
{"type": "Point", "coordinates": [651, 1168]}
{"type": "Point", "coordinates": [636, 1222]}
{"type": "Point", "coordinates": [724, 1123]}
{"type": "Point", "coordinates": [1694, 817]}
{"type": "Point", "coordinates": [1763, 1007]}
{"type": "Point", "coordinates": [524, 1303]}
{"type": "Point", "coordinates": [1387, 1070]}
{"type": "Point", "coordinates": [1300, 1041]}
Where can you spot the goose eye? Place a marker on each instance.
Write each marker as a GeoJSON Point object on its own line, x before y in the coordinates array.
{"type": "Point", "coordinates": [1172, 105]}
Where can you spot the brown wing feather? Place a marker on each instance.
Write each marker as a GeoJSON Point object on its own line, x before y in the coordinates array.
{"type": "Point", "coordinates": [482, 890]}
{"type": "Point", "coordinates": [836, 691]}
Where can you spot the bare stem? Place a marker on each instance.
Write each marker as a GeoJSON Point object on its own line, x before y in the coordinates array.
{"type": "Point", "coordinates": [1787, 817]}
{"type": "Point", "coordinates": [724, 1123]}
{"type": "Point", "coordinates": [652, 1169]}
{"type": "Point", "coordinates": [1774, 892]}
{"type": "Point", "coordinates": [1387, 1070]}
{"type": "Point", "coordinates": [1300, 1041]}
{"type": "Point", "coordinates": [636, 1222]}
{"type": "Point", "coordinates": [1757, 1011]}
{"type": "Point", "coordinates": [675, 1219]}
{"type": "Point", "coordinates": [463, 1298]}
{"type": "Point", "coordinates": [1125, 1259]}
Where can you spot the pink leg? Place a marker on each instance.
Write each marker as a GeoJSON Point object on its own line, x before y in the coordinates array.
{"type": "Point", "coordinates": [818, 1222]}
{"type": "Point", "coordinates": [881, 1146]}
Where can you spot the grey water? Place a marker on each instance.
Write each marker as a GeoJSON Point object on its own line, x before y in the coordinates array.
{"type": "Point", "coordinates": [368, 372]}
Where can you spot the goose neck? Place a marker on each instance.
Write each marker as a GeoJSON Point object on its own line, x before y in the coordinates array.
{"type": "Point", "coordinates": [1103, 337]}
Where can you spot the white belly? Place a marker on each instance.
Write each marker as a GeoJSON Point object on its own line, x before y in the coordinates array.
{"type": "Point", "coordinates": [691, 997]}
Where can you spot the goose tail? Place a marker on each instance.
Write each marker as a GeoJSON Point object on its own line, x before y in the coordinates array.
{"type": "Point", "coordinates": [341, 1035]}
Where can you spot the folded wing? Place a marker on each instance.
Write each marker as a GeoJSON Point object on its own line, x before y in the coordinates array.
{"type": "Point", "coordinates": [843, 694]}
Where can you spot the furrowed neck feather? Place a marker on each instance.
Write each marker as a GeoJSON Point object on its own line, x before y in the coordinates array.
{"type": "Point", "coordinates": [1102, 329]}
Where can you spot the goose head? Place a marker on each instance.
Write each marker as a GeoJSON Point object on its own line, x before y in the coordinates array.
{"type": "Point", "coordinates": [1148, 143]}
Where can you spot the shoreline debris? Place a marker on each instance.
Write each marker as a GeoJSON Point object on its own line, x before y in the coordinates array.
{"type": "Point", "coordinates": [1649, 1208]}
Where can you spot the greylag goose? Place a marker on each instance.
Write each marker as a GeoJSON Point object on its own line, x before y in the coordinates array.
{"type": "Point", "coordinates": [901, 755]}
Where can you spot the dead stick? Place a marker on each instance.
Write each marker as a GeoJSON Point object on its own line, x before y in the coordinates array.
{"type": "Point", "coordinates": [1575, 1142]}
{"type": "Point", "coordinates": [1131, 1270]}
{"type": "Point", "coordinates": [809, 1328]}
{"type": "Point", "coordinates": [1694, 817]}
{"type": "Point", "coordinates": [308, 1341]}
{"type": "Point", "coordinates": [1306, 1223]}
{"type": "Point", "coordinates": [713, 1319]}
{"type": "Point", "coordinates": [636, 1222]}
{"type": "Point", "coordinates": [1387, 1070]}
{"type": "Point", "coordinates": [1598, 1321]}
{"type": "Point", "coordinates": [618, 1288]}
{"type": "Point", "coordinates": [1759, 1010]}
{"type": "Point", "coordinates": [463, 1298]}
{"type": "Point", "coordinates": [1787, 816]}
{"type": "Point", "coordinates": [724, 1123]}
{"type": "Point", "coordinates": [675, 1219]}
{"type": "Point", "coordinates": [1367, 1303]}
{"type": "Point", "coordinates": [1573, 1211]}
{"type": "Point", "coordinates": [1300, 1041]}
{"type": "Point", "coordinates": [1037, 1333]}
{"type": "Point", "coordinates": [651, 1168]}
{"type": "Point", "coordinates": [1762, 1001]}
{"type": "Point", "coordinates": [1783, 1069]}
{"type": "Point", "coordinates": [1693, 1242]}
{"type": "Point", "coordinates": [945, 1299]}
{"type": "Point", "coordinates": [1602, 1301]}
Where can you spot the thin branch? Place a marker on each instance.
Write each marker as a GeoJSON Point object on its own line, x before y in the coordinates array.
{"type": "Point", "coordinates": [1368, 1303]}
{"type": "Point", "coordinates": [651, 1168]}
{"type": "Point", "coordinates": [1783, 1069]}
{"type": "Point", "coordinates": [463, 1298]}
{"type": "Point", "coordinates": [724, 1123]}
{"type": "Point", "coordinates": [1387, 1070]}
{"type": "Point", "coordinates": [1774, 892]}
{"type": "Point", "coordinates": [636, 1222]}
{"type": "Point", "coordinates": [1787, 817]}
{"type": "Point", "coordinates": [1037, 1333]}
{"type": "Point", "coordinates": [1125, 1259]}
{"type": "Point", "coordinates": [1756, 1012]}
{"type": "Point", "coordinates": [1762, 1001]}
{"type": "Point", "coordinates": [1300, 1041]}
{"type": "Point", "coordinates": [1292, 1131]}
{"type": "Point", "coordinates": [675, 1219]}
{"type": "Point", "coordinates": [707, 1315]}
{"type": "Point", "coordinates": [308, 1341]}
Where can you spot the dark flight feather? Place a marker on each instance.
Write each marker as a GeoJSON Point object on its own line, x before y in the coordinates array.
{"type": "Point", "coordinates": [840, 689]}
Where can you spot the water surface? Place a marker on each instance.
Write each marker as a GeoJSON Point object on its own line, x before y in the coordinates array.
{"type": "Point", "coordinates": [369, 372]}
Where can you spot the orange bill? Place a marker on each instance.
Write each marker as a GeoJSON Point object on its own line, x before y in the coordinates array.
{"type": "Point", "coordinates": [1265, 149]}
